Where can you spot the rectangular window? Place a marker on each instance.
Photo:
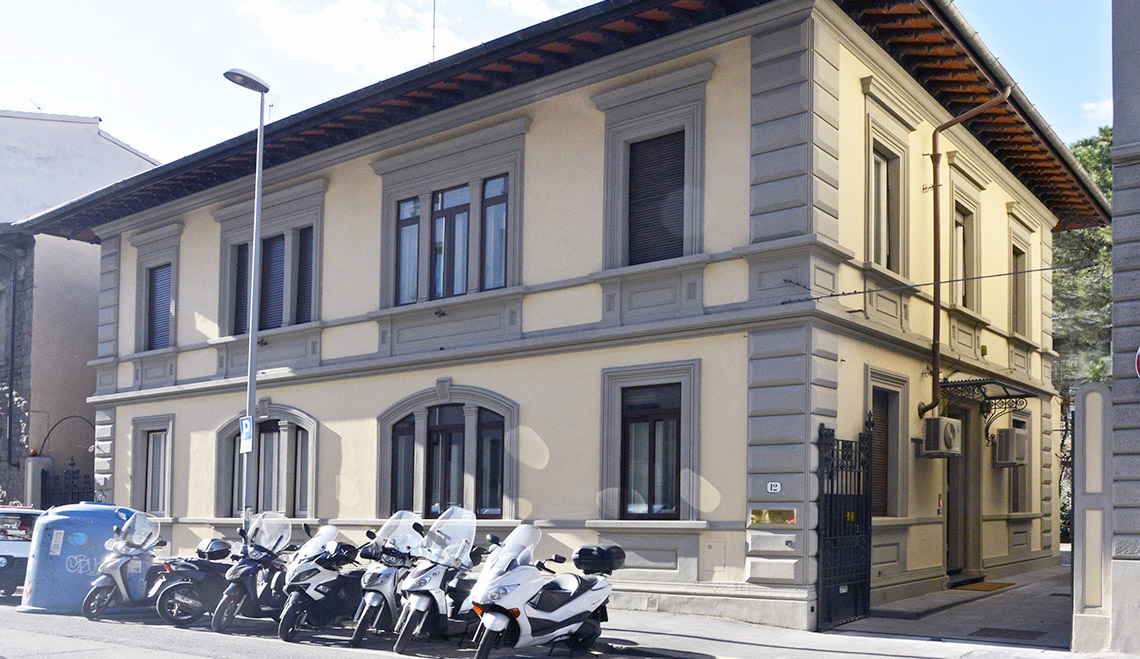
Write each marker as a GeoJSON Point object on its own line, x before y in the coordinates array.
{"type": "Point", "coordinates": [880, 447]}
{"type": "Point", "coordinates": [301, 473]}
{"type": "Point", "coordinates": [495, 233]}
{"type": "Point", "coordinates": [1019, 292]}
{"type": "Point", "coordinates": [158, 310]}
{"type": "Point", "coordinates": [403, 463]}
{"type": "Point", "coordinates": [886, 242]}
{"type": "Point", "coordinates": [965, 289]}
{"type": "Point", "coordinates": [280, 272]}
{"type": "Point", "coordinates": [444, 459]}
{"type": "Point", "coordinates": [156, 472]}
{"type": "Point", "coordinates": [489, 467]}
{"type": "Point", "coordinates": [651, 419]}
{"type": "Point", "coordinates": [656, 206]}
{"type": "Point", "coordinates": [450, 211]}
{"type": "Point", "coordinates": [1019, 479]}
{"type": "Point", "coordinates": [267, 468]}
{"type": "Point", "coordinates": [407, 251]}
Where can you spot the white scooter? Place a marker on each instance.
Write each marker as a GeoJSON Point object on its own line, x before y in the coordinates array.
{"type": "Point", "coordinates": [437, 599]}
{"type": "Point", "coordinates": [521, 608]}
{"type": "Point", "coordinates": [132, 551]}
{"type": "Point", "coordinates": [394, 551]}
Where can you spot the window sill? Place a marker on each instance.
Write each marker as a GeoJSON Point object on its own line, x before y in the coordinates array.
{"type": "Point", "coordinates": [967, 315]}
{"type": "Point", "coordinates": [1023, 341]}
{"type": "Point", "coordinates": [900, 522]}
{"type": "Point", "coordinates": [648, 525]}
{"type": "Point", "coordinates": [276, 331]}
{"type": "Point", "coordinates": [161, 352]}
{"type": "Point", "coordinates": [681, 263]}
{"type": "Point", "coordinates": [1012, 517]}
{"type": "Point", "coordinates": [431, 305]}
{"type": "Point", "coordinates": [893, 279]}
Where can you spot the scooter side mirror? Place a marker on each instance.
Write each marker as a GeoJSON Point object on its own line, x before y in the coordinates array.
{"type": "Point", "coordinates": [418, 528]}
{"type": "Point", "coordinates": [291, 548]}
{"type": "Point", "coordinates": [493, 539]}
{"type": "Point", "coordinates": [558, 558]}
{"type": "Point", "coordinates": [370, 534]}
{"type": "Point", "coordinates": [160, 544]}
{"type": "Point", "coordinates": [307, 529]}
{"type": "Point", "coordinates": [115, 530]}
{"type": "Point", "coordinates": [241, 532]}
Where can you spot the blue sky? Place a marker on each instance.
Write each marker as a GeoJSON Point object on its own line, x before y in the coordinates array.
{"type": "Point", "coordinates": [152, 69]}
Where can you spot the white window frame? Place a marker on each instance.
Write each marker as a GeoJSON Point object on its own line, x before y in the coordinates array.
{"type": "Point", "coordinates": [154, 248]}
{"type": "Point", "coordinates": [141, 435]}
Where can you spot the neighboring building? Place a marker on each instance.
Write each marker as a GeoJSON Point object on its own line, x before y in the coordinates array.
{"type": "Point", "coordinates": [594, 274]}
{"type": "Point", "coordinates": [45, 160]}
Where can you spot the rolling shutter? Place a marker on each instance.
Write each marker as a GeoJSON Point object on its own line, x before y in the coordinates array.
{"type": "Point", "coordinates": [272, 282]}
{"type": "Point", "coordinates": [241, 290]}
{"type": "Point", "coordinates": [158, 307]}
{"type": "Point", "coordinates": [880, 441]}
{"type": "Point", "coordinates": [304, 275]}
{"type": "Point", "coordinates": [657, 198]}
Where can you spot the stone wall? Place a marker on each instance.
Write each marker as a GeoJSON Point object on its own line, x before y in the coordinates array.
{"type": "Point", "coordinates": [14, 450]}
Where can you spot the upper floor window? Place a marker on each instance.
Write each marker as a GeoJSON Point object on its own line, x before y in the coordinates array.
{"type": "Point", "coordinates": [451, 445]}
{"type": "Point", "coordinates": [1019, 291]}
{"type": "Point", "coordinates": [964, 259]}
{"type": "Point", "coordinates": [157, 286]}
{"type": "Point", "coordinates": [290, 259]}
{"type": "Point", "coordinates": [286, 281]}
{"type": "Point", "coordinates": [886, 232]}
{"type": "Point", "coordinates": [452, 217]}
{"type": "Point", "coordinates": [654, 167]}
{"type": "Point", "coordinates": [890, 122]}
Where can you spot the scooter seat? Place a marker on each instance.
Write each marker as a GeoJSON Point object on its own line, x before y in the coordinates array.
{"type": "Point", "coordinates": [560, 590]}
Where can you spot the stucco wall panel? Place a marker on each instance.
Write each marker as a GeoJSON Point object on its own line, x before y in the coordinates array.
{"type": "Point", "coordinates": [562, 308]}
{"type": "Point", "coordinates": [198, 273]}
{"type": "Point", "coordinates": [349, 340]}
{"type": "Point", "coordinates": [351, 250]}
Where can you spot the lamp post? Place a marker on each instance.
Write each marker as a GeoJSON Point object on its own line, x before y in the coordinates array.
{"type": "Point", "coordinates": [252, 82]}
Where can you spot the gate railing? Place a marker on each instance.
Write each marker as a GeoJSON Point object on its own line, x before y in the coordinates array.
{"type": "Point", "coordinates": [69, 487]}
{"type": "Point", "coordinates": [844, 527]}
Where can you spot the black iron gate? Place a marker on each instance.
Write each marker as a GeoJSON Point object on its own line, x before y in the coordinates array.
{"type": "Point", "coordinates": [844, 527]}
{"type": "Point", "coordinates": [70, 487]}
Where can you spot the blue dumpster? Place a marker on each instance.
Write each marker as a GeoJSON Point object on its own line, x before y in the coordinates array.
{"type": "Point", "coordinates": [68, 544]}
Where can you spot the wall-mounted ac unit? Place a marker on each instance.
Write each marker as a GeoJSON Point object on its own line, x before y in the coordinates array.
{"type": "Point", "coordinates": [1011, 448]}
{"type": "Point", "coordinates": [943, 438]}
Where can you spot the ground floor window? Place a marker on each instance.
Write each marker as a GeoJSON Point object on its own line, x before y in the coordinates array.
{"type": "Point", "coordinates": [1019, 478]}
{"type": "Point", "coordinates": [450, 446]}
{"type": "Point", "coordinates": [281, 472]}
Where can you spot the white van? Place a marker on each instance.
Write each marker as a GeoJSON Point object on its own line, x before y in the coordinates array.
{"type": "Point", "coordinates": [16, 526]}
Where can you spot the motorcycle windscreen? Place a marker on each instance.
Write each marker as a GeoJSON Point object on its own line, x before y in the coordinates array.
{"type": "Point", "coordinates": [399, 533]}
{"type": "Point", "coordinates": [141, 530]}
{"type": "Point", "coordinates": [451, 538]}
{"type": "Point", "coordinates": [516, 550]}
{"type": "Point", "coordinates": [316, 544]}
{"type": "Point", "coordinates": [270, 530]}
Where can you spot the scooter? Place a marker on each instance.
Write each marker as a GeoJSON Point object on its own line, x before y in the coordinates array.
{"type": "Point", "coordinates": [393, 551]}
{"type": "Point", "coordinates": [519, 607]}
{"type": "Point", "coordinates": [256, 582]}
{"type": "Point", "coordinates": [132, 551]}
{"type": "Point", "coordinates": [319, 593]}
{"type": "Point", "coordinates": [193, 586]}
{"type": "Point", "coordinates": [437, 598]}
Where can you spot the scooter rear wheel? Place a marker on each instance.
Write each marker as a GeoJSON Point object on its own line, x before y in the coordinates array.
{"type": "Point", "coordinates": [226, 611]}
{"type": "Point", "coordinates": [175, 607]}
{"type": "Point", "coordinates": [98, 600]}
{"type": "Point", "coordinates": [487, 643]}
{"type": "Point", "coordinates": [408, 631]}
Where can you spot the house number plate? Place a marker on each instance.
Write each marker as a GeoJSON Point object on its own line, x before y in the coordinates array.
{"type": "Point", "coordinates": [774, 487]}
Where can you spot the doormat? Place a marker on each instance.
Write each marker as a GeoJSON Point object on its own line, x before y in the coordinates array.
{"type": "Point", "coordinates": [1011, 634]}
{"type": "Point", "coordinates": [984, 586]}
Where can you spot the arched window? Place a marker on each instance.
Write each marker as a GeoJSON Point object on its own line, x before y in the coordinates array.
{"type": "Point", "coordinates": [450, 445]}
{"type": "Point", "coordinates": [283, 470]}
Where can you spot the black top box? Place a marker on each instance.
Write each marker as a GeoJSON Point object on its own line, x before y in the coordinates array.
{"type": "Point", "coordinates": [599, 559]}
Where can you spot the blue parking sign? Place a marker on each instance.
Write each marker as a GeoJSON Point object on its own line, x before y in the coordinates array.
{"type": "Point", "coordinates": [247, 434]}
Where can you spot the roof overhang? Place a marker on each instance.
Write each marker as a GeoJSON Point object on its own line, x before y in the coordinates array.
{"type": "Point", "coordinates": [925, 36]}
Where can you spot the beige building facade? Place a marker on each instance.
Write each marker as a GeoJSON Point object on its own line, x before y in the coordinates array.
{"type": "Point", "coordinates": [616, 300]}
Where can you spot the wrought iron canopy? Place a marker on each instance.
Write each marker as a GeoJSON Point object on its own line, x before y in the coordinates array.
{"type": "Point", "coordinates": [995, 398]}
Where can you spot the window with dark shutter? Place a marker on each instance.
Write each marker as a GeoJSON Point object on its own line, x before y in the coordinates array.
{"type": "Point", "coordinates": [241, 289]}
{"type": "Point", "coordinates": [272, 283]}
{"type": "Point", "coordinates": [656, 220]}
{"type": "Point", "coordinates": [304, 275]}
{"type": "Point", "coordinates": [158, 307]}
{"type": "Point", "coordinates": [880, 443]}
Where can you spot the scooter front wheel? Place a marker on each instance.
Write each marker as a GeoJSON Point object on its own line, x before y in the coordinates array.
{"type": "Point", "coordinates": [98, 600]}
{"type": "Point", "coordinates": [363, 622]}
{"type": "Point", "coordinates": [226, 611]}
{"type": "Point", "coordinates": [487, 643]}
{"type": "Point", "coordinates": [408, 631]}
{"type": "Point", "coordinates": [180, 604]}
{"type": "Point", "coordinates": [292, 617]}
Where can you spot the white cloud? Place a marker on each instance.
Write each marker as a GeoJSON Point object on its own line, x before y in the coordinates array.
{"type": "Point", "coordinates": [535, 9]}
{"type": "Point", "coordinates": [1098, 110]}
{"type": "Point", "coordinates": [370, 38]}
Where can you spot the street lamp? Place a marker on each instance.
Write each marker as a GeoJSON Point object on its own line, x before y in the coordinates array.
{"type": "Point", "coordinates": [252, 82]}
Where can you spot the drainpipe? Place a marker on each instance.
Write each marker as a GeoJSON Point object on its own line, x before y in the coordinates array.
{"type": "Point", "coordinates": [936, 338]}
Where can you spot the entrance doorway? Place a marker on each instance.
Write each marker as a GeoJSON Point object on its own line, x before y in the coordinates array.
{"type": "Point", "coordinates": [963, 523]}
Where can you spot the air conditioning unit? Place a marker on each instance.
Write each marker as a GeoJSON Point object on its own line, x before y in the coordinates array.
{"type": "Point", "coordinates": [1011, 448]}
{"type": "Point", "coordinates": [943, 438]}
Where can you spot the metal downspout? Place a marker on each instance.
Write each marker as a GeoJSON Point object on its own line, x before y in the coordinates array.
{"type": "Point", "coordinates": [936, 333]}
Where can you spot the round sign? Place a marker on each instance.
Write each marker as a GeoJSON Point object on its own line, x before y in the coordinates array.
{"type": "Point", "coordinates": [1138, 362]}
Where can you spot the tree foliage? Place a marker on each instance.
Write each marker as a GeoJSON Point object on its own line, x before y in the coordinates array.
{"type": "Point", "coordinates": [1082, 296]}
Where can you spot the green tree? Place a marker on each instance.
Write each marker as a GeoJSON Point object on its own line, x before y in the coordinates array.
{"type": "Point", "coordinates": [1082, 307]}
